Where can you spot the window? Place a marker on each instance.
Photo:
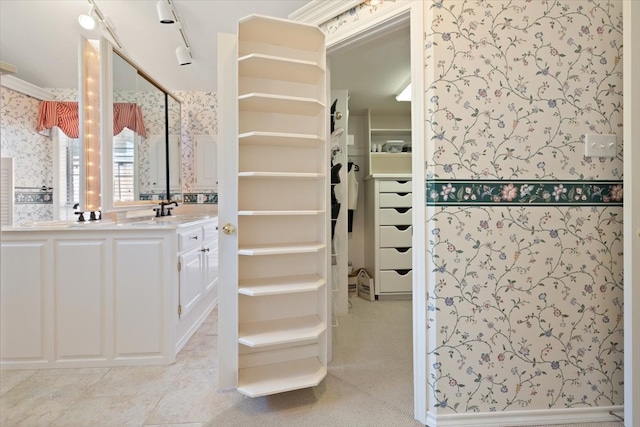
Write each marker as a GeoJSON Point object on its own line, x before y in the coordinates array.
{"type": "Point", "coordinates": [124, 155]}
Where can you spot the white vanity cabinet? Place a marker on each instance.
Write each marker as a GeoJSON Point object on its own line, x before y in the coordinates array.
{"type": "Point", "coordinates": [198, 277]}
{"type": "Point", "coordinates": [101, 295]}
{"type": "Point", "coordinates": [388, 253]}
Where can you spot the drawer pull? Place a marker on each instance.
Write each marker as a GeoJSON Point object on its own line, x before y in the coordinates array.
{"type": "Point", "coordinates": [402, 210]}
{"type": "Point", "coordinates": [204, 250]}
{"type": "Point", "coordinates": [194, 237]}
{"type": "Point", "coordinates": [403, 272]}
{"type": "Point", "coordinates": [402, 194]}
{"type": "Point", "coordinates": [402, 227]}
{"type": "Point", "coordinates": [402, 250]}
{"type": "Point", "coordinates": [402, 182]}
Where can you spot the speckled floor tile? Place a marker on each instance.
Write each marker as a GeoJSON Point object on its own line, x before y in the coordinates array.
{"type": "Point", "coordinates": [107, 411]}
{"type": "Point", "coordinates": [9, 379]}
{"type": "Point", "coordinates": [40, 400]}
{"type": "Point", "coordinates": [126, 381]}
{"type": "Point", "coordinates": [193, 397]}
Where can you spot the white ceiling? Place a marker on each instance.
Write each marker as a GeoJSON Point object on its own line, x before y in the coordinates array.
{"type": "Point", "coordinates": [41, 38]}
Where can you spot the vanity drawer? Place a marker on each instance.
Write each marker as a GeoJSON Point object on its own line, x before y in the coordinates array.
{"type": "Point", "coordinates": [189, 239]}
{"type": "Point", "coordinates": [210, 231]}
{"type": "Point", "coordinates": [395, 281]}
{"type": "Point", "coordinates": [395, 200]}
{"type": "Point", "coordinates": [395, 186]}
{"type": "Point", "coordinates": [392, 236]}
{"type": "Point", "coordinates": [395, 258]}
{"type": "Point", "coordinates": [395, 216]}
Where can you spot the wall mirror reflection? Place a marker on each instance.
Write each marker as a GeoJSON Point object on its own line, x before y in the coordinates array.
{"type": "Point", "coordinates": [145, 150]}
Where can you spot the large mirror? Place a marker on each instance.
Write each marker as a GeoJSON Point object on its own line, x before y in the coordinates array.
{"type": "Point", "coordinates": [142, 158]}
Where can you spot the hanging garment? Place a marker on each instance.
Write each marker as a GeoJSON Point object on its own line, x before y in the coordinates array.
{"type": "Point", "coordinates": [352, 191]}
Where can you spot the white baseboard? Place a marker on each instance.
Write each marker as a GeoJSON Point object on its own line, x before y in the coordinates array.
{"type": "Point", "coordinates": [525, 418]}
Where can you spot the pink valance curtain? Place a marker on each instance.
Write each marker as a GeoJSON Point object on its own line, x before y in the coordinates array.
{"type": "Point", "coordinates": [65, 116]}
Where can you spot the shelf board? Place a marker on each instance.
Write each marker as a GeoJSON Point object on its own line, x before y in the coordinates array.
{"type": "Point", "coordinates": [280, 331]}
{"type": "Point", "coordinates": [387, 155]}
{"type": "Point", "coordinates": [280, 139]}
{"type": "Point", "coordinates": [281, 285]}
{"type": "Point", "coordinates": [280, 249]}
{"type": "Point", "coordinates": [279, 68]}
{"type": "Point", "coordinates": [390, 131]}
{"type": "Point", "coordinates": [280, 213]}
{"type": "Point", "coordinates": [297, 175]}
{"type": "Point", "coordinates": [280, 377]}
{"type": "Point", "coordinates": [268, 103]}
{"type": "Point", "coordinates": [280, 32]}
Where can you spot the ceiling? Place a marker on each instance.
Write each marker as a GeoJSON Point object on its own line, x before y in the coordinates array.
{"type": "Point", "coordinates": [41, 38]}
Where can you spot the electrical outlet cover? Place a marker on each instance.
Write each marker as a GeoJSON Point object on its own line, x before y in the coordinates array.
{"type": "Point", "coordinates": [596, 145]}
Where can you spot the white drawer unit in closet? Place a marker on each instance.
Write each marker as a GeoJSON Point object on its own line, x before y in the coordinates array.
{"type": "Point", "coordinates": [388, 251]}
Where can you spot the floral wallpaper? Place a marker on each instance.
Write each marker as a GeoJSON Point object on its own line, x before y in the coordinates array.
{"type": "Point", "coordinates": [32, 154]}
{"type": "Point", "coordinates": [199, 117]}
{"type": "Point", "coordinates": [525, 232]}
{"type": "Point", "coordinates": [517, 85]}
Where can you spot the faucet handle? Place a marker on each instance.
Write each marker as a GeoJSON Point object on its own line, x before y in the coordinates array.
{"type": "Point", "coordinates": [168, 212]}
{"type": "Point", "coordinates": [157, 211]}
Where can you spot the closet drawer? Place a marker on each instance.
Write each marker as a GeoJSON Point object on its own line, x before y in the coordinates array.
{"type": "Point", "coordinates": [395, 258]}
{"type": "Point", "coordinates": [395, 186]}
{"type": "Point", "coordinates": [189, 239]}
{"type": "Point", "coordinates": [392, 236]}
{"type": "Point", "coordinates": [395, 281]}
{"type": "Point", "coordinates": [395, 200]}
{"type": "Point", "coordinates": [397, 216]}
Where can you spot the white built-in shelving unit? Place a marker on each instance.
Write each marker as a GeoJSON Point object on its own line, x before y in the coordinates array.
{"type": "Point", "coordinates": [282, 314]}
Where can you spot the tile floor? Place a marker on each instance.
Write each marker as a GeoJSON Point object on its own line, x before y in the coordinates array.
{"type": "Point", "coordinates": [184, 393]}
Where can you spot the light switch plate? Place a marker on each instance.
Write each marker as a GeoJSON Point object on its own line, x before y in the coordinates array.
{"type": "Point", "coordinates": [596, 145]}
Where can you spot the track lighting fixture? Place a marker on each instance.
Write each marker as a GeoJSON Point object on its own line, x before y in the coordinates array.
{"type": "Point", "coordinates": [165, 12]}
{"type": "Point", "coordinates": [184, 55]}
{"type": "Point", "coordinates": [87, 20]}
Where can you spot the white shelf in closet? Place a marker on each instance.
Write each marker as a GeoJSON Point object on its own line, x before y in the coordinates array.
{"type": "Point", "coordinates": [279, 68]}
{"type": "Point", "coordinates": [280, 331]}
{"type": "Point", "coordinates": [280, 213]}
{"type": "Point", "coordinates": [283, 104]}
{"type": "Point", "coordinates": [295, 175]}
{"type": "Point", "coordinates": [280, 249]}
{"type": "Point", "coordinates": [259, 381]}
{"type": "Point", "coordinates": [389, 132]}
{"type": "Point", "coordinates": [280, 139]}
{"type": "Point", "coordinates": [279, 32]}
{"type": "Point", "coordinates": [281, 285]}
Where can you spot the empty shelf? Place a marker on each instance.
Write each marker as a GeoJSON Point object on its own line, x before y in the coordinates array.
{"type": "Point", "coordinates": [298, 175]}
{"type": "Point", "coordinates": [279, 32]}
{"type": "Point", "coordinates": [279, 68]}
{"type": "Point", "coordinates": [267, 103]}
{"type": "Point", "coordinates": [280, 331]}
{"type": "Point", "coordinates": [280, 139]}
{"type": "Point", "coordinates": [280, 377]}
{"type": "Point", "coordinates": [280, 285]}
{"type": "Point", "coordinates": [280, 213]}
{"type": "Point", "coordinates": [279, 249]}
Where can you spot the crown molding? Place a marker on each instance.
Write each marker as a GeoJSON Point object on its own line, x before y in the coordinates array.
{"type": "Point", "coordinates": [318, 12]}
{"type": "Point", "coordinates": [26, 88]}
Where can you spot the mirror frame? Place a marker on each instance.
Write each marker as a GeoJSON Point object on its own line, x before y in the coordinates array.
{"type": "Point", "coordinates": [107, 50]}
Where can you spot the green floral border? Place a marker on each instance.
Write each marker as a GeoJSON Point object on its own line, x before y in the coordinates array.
{"type": "Point", "coordinates": [523, 193]}
{"type": "Point", "coordinates": [31, 197]}
{"type": "Point", "coordinates": [209, 198]}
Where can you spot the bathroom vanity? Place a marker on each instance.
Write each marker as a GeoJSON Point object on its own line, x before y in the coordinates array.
{"type": "Point", "coordinates": [105, 293]}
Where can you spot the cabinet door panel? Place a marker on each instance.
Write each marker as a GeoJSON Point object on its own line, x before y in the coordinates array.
{"type": "Point", "coordinates": [139, 297]}
{"type": "Point", "coordinates": [191, 275]}
{"type": "Point", "coordinates": [23, 301]}
{"type": "Point", "coordinates": [80, 290]}
{"type": "Point", "coordinates": [210, 266]}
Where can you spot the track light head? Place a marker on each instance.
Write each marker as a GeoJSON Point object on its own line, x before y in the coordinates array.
{"type": "Point", "coordinates": [184, 55]}
{"type": "Point", "coordinates": [165, 12]}
{"type": "Point", "coordinates": [87, 20]}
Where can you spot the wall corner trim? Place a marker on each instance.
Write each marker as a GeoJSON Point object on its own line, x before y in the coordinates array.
{"type": "Point", "coordinates": [19, 85]}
